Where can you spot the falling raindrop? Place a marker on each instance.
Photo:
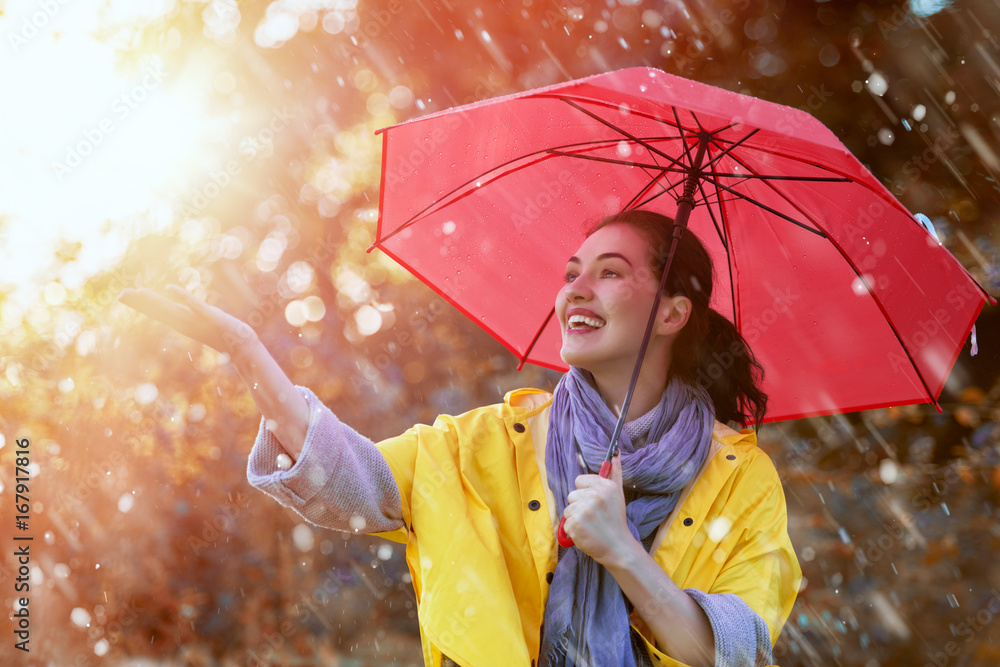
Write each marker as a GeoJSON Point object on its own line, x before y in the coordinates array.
{"type": "Point", "coordinates": [877, 84]}
{"type": "Point", "coordinates": [888, 471]}
{"type": "Point", "coordinates": [80, 617]}
{"type": "Point", "coordinates": [125, 503]}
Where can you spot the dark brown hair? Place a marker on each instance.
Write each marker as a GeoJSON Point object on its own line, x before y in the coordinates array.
{"type": "Point", "coordinates": [709, 352]}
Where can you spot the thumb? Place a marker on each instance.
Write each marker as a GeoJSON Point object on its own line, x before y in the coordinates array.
{"type": "Point", "coordinates": [616, 469]}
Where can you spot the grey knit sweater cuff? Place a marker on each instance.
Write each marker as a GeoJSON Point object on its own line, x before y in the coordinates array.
{"type": "Point", "coordinates": [340, 480]}
{"type": "Point", "coordinates": [742, 637]}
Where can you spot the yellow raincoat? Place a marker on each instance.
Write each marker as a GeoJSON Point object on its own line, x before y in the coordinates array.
{"type": "Point", "coordinates": [480, 531]}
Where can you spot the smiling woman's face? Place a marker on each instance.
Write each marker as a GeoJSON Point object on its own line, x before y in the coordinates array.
{"type": "Point", "coordinates": [604, 305]}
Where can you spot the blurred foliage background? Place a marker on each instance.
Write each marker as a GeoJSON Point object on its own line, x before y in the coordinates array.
{"type": "Point", "coordinates": [150, 546]}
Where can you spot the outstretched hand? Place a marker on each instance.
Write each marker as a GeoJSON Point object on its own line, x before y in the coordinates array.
{"type": "Point", "coordinates": [192, 317]}
{"type": "Point", "coordinates": [595, 515]}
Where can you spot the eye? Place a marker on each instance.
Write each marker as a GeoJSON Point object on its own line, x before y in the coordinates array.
{"type": "Point", "coordinates": [570, 277]}
{"type": "Point", "coordinates": [612, 272]}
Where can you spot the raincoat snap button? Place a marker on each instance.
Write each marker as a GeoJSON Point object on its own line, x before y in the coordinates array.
{"type": "Point", "coordinates": [731, 457]}
{"type": "Point", "coordinates": [548, 577]}
{"type": "Point", "coordinates": [688, 521]}
{"type": "Point", "coordinates": [534, 505]}
{"type": "Point", "coordinates": [519, 428]}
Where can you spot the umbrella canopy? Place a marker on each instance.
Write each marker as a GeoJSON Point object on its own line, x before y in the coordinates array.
{"type": "Point", "coordinates": [846, 300]}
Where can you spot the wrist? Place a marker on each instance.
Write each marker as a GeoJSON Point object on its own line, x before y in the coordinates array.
{"type": "Point", "coordinates": [243, 347]}
{"type": "Point", "coordinates": [625, 556]}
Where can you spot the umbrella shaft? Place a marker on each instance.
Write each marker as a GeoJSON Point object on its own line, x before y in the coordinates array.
{"type": "Point", "coordinates": [684, 205]}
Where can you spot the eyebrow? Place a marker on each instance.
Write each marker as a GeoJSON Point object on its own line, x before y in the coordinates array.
{"type": "Point", "coordinates": [606, 255]}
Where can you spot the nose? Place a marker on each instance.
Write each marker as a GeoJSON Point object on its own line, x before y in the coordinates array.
{"type": "Point", "coordinates": [578, 289]}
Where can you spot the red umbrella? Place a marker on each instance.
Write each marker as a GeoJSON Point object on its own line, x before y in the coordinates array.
{"type": "Point", "coordinates": [846, 300]}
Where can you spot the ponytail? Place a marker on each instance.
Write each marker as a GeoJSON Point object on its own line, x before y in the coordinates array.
{"type": "Point", "coordinates": [709, 352]}
{"type": "Point", "coordinates": [730, 373]}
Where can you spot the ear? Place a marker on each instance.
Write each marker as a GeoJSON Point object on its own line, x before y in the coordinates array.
{"type": "Point", "coordinates": [674, 314]}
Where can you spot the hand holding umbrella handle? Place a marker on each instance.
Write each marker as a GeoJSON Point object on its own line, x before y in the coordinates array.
{"type": "Point", "coordinates": [564, 539]}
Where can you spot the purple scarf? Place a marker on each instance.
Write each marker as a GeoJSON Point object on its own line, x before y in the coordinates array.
{"type": "Point", "coordinates": [586, 617]}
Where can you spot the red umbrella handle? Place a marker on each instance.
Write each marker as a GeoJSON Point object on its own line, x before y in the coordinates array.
{"type": "Point", "coordinates": [564, 539]}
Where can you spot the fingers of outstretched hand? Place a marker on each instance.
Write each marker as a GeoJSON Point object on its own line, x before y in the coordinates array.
{"type": "Point", "coordinates": [154, 305]}
{"type": "Point", "coordinates": [176, 314]}
{"type": "Point", "coordinates": [182, 296]}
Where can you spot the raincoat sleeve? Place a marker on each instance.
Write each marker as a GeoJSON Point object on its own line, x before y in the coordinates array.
{"type": "Point", "coordinates": [751, 596]}
{"type": "Point", "coordinates": [340, 480]}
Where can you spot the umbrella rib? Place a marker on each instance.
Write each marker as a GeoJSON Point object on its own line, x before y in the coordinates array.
{"type": "Point", "coordinates": [727, 151]}
{"type": "Point", "coordinates": [657, 196]}
{"type": "Point", "coordinates": [800, 160]}
{"type": "Point", "coordinates": [769, 209]}
{"type": "Point", "coordinates": [462, 309]}
{"type": "Point", "coordinates": [730, 259]}
{"type": "Point", "coordinates": [677, 117]}
{"type": "Point", "coordinates": [784, 196]}
{"type": "Point", "coordinates": [775, 177]}
{"type": "Point", "coordinates": [846, 258]}
{"type": "Point", "coordinates": [646, 188]}
{"type": "Point", "coordinates": [545, 151]}
{"type": "Point", "coordinates": [711, 214]}
{"type": "Point", "coordinates": [682, 129]}
{"type": "Point", "coordinates": [607, 105]}
{"type": "Point", "coordinates": [742, 177]}
{"type": "Point", "coordinates": [614, 127]}
{"type": "Point", "coordinates": [538, 334]}
{"type": "Point", "coordinates": [444, 200]}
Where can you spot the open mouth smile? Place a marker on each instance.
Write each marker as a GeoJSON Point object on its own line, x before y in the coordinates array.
{"type": "Point", "coordinates": [583, 324]}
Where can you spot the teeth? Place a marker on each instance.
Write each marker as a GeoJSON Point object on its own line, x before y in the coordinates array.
{"type": "Point", "coordinates": [594, 322]}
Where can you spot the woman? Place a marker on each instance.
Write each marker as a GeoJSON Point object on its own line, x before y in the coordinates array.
{"type": "Point", "coordinates": [682, 555]}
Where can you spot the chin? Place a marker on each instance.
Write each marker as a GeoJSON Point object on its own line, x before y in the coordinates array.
{"type": "Point", "coordinates": [577, 358]}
